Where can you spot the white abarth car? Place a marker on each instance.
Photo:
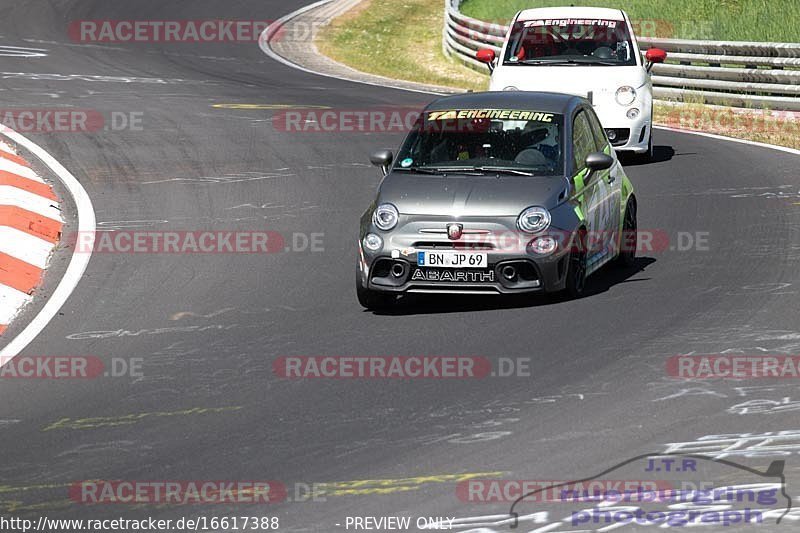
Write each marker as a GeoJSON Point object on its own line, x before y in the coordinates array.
{"type": "Point", "coordinates": [589, 52]}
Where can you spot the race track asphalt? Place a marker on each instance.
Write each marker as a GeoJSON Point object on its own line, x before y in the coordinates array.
{"type": "Point", "coordinates": [208, 405]}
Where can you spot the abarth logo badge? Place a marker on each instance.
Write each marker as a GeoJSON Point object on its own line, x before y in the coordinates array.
{"type": "Point", "coordinates": [454, 231]}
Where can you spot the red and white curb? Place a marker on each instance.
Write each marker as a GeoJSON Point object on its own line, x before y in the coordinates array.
{"type": "Point", "coordinates": [78, 262]}
{"type": "Point", "coordinates": [30, 228]}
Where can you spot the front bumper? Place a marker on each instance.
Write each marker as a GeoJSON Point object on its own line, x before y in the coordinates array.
{"type": "Point", "coordinates": [395, 269]}
{"type": "Point", "coordinates": [633, 135]}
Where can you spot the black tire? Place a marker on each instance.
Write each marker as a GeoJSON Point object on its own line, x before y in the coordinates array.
{"type": "Point", "coordinates": [629, 239]}
{"type": "Point", "coordinates": [576, 270]}
{"type": "Point", "coordinates": [372, 300]}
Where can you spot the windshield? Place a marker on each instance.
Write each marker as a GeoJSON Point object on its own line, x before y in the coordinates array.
{"type": "Point", "coordinates": [485, 140]}
{"type": "Point", "coordinates": [579, 41]}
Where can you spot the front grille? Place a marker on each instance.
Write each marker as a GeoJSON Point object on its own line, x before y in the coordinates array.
{"type": "Point", "coordinates": [453, 245]}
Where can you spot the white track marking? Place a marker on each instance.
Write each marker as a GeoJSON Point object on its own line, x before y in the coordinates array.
{"type": "Point", "coordinates": [32, 202]}
{"type": "Point", "coordinates": [18, 51]}
{"type": "Point", "coordinates": [49, 76]}
{"type": "Point", "coordinates": [10, 302]}
{"type": "Point", "coordinates": [7, 148]}
{"type": "Point", "coordinates": [78, 262]}
{"type": "Point", "coordinates": [19, 170]}
{"type": "Point", "coordinates": [25, 247]}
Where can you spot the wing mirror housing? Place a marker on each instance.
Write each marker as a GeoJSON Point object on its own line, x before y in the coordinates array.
{"type": "Point", "coordinates": [599, 161]}
{"type": "Point", "coordinates": [382, 159]}
{"type": "Point", "coordinates": [653, 56]}
{"type": "Point", "coordinates": [486, 55]}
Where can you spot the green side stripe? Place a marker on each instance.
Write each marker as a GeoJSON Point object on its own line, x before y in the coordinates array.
{"type": "Point", "coordinates": [578, 179]}
{"type": "Point", "coordinates": [580, 185]}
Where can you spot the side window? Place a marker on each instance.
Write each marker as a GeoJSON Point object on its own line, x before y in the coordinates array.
{"type": "Point", "coordinates": [582, 140]}
{"type": "Point", "coordinates": [601, 141]}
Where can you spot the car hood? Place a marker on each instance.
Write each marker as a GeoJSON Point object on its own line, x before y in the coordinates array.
{"type": "Point", "coordinates": [602, 82]}
{"type": "Point", "coordinates": [456, 195]}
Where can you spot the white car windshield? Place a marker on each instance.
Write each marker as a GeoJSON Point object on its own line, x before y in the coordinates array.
{"type": "Point", "coordinates": [570, 41]}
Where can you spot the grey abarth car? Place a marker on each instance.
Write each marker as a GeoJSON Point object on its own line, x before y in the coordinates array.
{"type": "Point", "coordinates": [498, 193]}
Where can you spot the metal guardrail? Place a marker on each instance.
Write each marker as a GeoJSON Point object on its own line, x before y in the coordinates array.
{"type": "Point", "coordinates": [742, 74]}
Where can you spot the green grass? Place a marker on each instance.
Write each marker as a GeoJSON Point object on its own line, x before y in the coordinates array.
{"type": "Point", "coordinates": [726, 20]}
{"type": "Point", "coordinates": [400, 39]}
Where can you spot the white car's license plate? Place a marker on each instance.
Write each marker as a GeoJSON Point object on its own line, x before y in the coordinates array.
{"type": "Point", "coordinates": [453, 259]}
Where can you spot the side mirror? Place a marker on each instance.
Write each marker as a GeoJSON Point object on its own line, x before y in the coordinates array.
{"type": "Point", "coordinates": [383, 159]}
{"type": "Point", "coordinates": [653, 56]}
{"type": "Point", "coordinates": [486, 55]}
{"type": "Point", "coordinates": [599, 161]}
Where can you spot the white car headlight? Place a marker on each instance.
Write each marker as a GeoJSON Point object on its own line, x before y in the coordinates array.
{"type": "Point", "coordinates": [626, 95]}
{"type": "Point", "coordinates": [510, 88]}
{"type": "Point", "coordinates": [534, 220]}
{"type": "Point", "coordinates": [545, 245]}
{"type": "Point", "coordinates": [385, 217]}
{"type": "Point", "coordinates": [372, 242]}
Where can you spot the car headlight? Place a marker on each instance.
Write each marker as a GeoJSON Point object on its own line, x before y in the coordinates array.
{"type": "Point", "coordinates": [534, 220]}
{"type": "Point", "coordinates": [385, 217]}
{"type": "Point", "coordinates": [543, 245]}
{"type": "Point", "coordinates": [510, 88]}
{"type": "Point", "coordinates": [373, 242]}
{"type": "Point", "coordinates": [626, 95]}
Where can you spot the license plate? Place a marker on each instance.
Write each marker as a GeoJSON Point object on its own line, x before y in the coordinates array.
{"type": "Point", "coordinates": [452, 259]}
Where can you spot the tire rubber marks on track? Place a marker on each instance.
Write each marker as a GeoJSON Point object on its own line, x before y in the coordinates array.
{"type": "Point", "coordinates": [30, 226]}
{"type": "Point", "coordinates": [130, 419]}
{"type": "Point", "coordinates": [230, 178]}
{"type": "Point", "coordinates": [190, 314]}
{"type": "Point", "coordinates": [122, 333]}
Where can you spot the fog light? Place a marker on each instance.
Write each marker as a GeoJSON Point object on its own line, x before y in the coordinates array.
{"type": "Point", "coordinates": [612, 135]}
{"type": "Point", "coordinates": [633, 113]}
{"type": "Point", "coordinates": [373, 242]}
{"type": "Point", "coordinates": [542, 245]}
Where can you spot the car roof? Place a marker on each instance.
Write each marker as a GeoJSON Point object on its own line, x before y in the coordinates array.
{"type": "Point", "coordinates": [571, 12]}
{"type": "Point", "coordinates": [525, 100]}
